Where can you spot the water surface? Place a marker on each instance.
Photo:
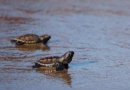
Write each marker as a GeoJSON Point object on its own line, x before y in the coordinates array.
{"type": "Point", "coordinates": [97, 31]}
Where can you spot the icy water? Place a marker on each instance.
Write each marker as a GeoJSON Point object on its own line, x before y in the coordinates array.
{"type": "Point", "coordinates": [98, 31]}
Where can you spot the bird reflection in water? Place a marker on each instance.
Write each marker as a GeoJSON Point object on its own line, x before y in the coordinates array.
{"type": "Point", "coordinates": [59, 75]}
{"type": "Point", "coordinates": [32, 47]}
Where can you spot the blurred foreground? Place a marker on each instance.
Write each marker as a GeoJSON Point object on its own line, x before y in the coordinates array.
{"type": "Point", "coordinates": [96, 30]}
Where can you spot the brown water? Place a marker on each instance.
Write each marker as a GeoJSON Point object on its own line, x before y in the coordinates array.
{"type": "Point", "coordinates": [98, 31]}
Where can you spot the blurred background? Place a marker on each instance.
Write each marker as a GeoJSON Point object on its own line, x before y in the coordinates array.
{"type": "Point", "coordinates": [96, 30]}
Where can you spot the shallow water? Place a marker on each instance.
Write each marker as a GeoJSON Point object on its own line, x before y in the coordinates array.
{"type": "Point", "coordinates": [97, 31]}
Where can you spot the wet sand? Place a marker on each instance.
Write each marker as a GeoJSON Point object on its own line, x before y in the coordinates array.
{"type": "Point", "coordinates": [96, 30]}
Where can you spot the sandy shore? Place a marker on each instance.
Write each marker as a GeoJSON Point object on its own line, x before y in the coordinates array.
{"type": "Point", "coordinates": [96, 30]}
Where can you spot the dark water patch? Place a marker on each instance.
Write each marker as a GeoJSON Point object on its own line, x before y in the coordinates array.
{"type": "Point", "coordinates": [32, 47]}
{"type": "Point", "coordinates": [60, 46]}
{"type": "Point", "coordinates": [13, 69]}
{"type": "Point", "coordinates": [12, 58]}
{"type": "Point", "coordinates": [7, 47]}
{"type": "Point", "coordinates": [29, 11]}
{"type": "Point", "coordinates": [16, 20]}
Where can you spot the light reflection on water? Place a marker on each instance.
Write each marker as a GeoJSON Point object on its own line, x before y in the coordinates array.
{"type": "Point", "coordinates": [98, 33]}
{"type": "Point", "coordinates": [57, 75]}
{"type": "Point", "coordinates": [81, 64]}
